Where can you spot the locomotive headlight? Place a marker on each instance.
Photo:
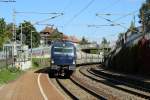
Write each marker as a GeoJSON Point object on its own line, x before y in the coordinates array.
{"type": "Point", "coordinates": [52, 61]}
{"type": "Point", "coordinates": [73, 62]}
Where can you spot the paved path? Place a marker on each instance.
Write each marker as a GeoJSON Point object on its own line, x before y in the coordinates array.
{"type": "Point", "coordinates": [31, 86]}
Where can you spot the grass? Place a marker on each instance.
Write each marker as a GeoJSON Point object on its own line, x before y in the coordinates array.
{"type": "Point", "coordinates": [40, 62]}
{"type": "Point", "coordinates": [9, 74]}
{"type": "Point", "coordinates": [12, 73]}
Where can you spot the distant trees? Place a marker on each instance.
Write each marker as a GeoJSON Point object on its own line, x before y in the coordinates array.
{"type": "Point", "coordinates": [133, 28]}
{"type": "Point", "coordinates": [83, 41]}
{"type": "Point", "coordinates": [120, 40]}
{"type": "Point", "coordinates": [5, 32]}
{"type": "Point", "coordinates": [104, 41]}
{"type": "Point", "coordinates": [105, 46]}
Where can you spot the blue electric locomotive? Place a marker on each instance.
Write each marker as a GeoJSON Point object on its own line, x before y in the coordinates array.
{"type": "Point", "coordinates": [63, 58]}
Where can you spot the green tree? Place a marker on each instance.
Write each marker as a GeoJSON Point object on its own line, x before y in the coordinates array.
{"type": "Point", "coordinates": [145, 15]}
{"type": "Point", "coordinates": [105, 47]}
{"type": "Point", "coordinates": [120, 40]}
{"type": "Point", "coordinates": [3, 34]}
{"type": "Point", "coordinates": [104, 43]}
{"type": "Point", "coordinates": [132, 28]}
{"type": "Point", "coordinates": [9, 29]}
{"type": "Point", "coordinates": [27, 27]}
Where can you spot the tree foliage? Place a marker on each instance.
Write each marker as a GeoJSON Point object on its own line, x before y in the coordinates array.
{"type": "Point", "coordinates": [5, 32]}
{"type": "Point", "coordinates": [132, 28]}
{"type": "Point", "coordinates": [104, 43]}
{"type": "Point", "coordinates": [9, 29]}
{"type": "Point", "coordinates": [27, 28]}
{"type": "Point", "coordinates": [145, 15]}
{"type": "Point", "coordinates": [120, 40]}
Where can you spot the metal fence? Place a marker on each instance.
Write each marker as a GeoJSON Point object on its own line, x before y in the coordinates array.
{"type": "Point", "coordinates": [6, 62]}
{"type": "Point", "coordinates": [5, 59]}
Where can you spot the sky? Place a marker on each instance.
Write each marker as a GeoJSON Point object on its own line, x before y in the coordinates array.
{"type": "Point", "coordinates": [78, 14]}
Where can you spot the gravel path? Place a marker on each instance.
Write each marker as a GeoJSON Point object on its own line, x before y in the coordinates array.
{"type": "Point", "coordinates": [26, 88]}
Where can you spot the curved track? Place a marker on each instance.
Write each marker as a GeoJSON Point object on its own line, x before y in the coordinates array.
{"type": "Point", "coordinates": [112, 82]}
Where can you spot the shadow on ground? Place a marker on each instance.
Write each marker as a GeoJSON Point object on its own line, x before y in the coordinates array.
{"type": "Point", "coordinates": [46, 70]}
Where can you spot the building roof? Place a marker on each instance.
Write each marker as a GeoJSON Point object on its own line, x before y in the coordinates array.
{"type": "Point", "coordinates": [71, 38]}
{"type": "Point", "coordinates": [48, 30]}
{"type": "Point", "coordinates": [74, 39]}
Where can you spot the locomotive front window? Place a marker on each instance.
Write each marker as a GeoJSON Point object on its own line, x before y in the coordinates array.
{"type": "Point", "coordinates": [58, 49]}
{"type": "Point", "coordinates": [67, 50]}
{"type": "Point", "coordinates": [63, 50]}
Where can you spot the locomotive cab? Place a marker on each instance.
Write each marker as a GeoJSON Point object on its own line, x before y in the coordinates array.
{"type": "Point", "coordinates": [63, 58]}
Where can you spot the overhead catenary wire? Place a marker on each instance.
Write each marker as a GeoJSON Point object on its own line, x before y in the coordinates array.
{"type": "Point", "coordinates": [117, 24]}
{"type": "Point", "coordinates": [113, 22]}
{"type": "Point", "coordinates": [54, 13]}
{"type": "Point", "coordinates": [132, 13]}
{"type": "Point", "coordinates": [77, 14]}
{"type": "Point", "coordinates": [117, 14]}
{"type": "Point", "coordinates": [37, 22]}
{"type": "Point", "coordinates": [47, 19]}
{"type": "Point", "coordinates": [102, 25]}
{"type": "Point", "coordinates": [52, 25]}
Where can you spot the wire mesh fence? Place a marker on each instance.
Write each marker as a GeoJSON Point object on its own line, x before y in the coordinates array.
{"type": "Point", "coordinates": [5, 59]}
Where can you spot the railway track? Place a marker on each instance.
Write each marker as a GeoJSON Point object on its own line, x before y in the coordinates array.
{"type": "Point", "coordinates": [71, 95]}
{"type": "Point", "coordinates": [86, 87]}
{"type": "Point", "coordinates": [82, 85]}
{"type": "Point", "coordinates": [75, 90]}
{"type": "Point", "coordinates": [133, 82]}
{"type": "Point", "coordinates": [85, 84]}
{"type": "Point", "coordinates": [112, 82]}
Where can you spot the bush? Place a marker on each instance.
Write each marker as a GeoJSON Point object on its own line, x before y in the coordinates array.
{"type": "Point", "coordinates": [13, 69]}
{"type": "Point", "coordinates": [35, 64]}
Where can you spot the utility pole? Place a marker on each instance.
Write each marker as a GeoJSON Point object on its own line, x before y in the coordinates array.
{"type": "Point", "coordinates": [31, 44]}
{"type": "Point", "coordinates": [21, 35]}
{"type": "Point", "coordinates": [31, 47]}
{"type": "Point", "coordinates": [14, 38]}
